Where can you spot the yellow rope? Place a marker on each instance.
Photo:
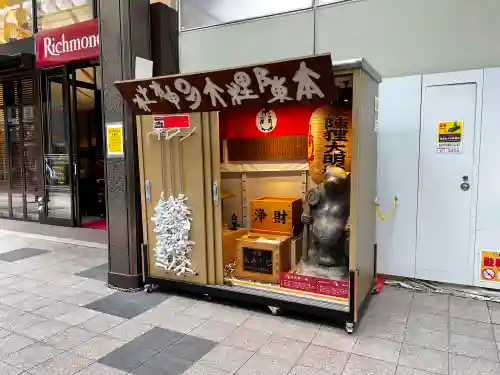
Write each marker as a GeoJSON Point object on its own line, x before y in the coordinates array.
{"type": "Point", "coordinates": [385, 218]}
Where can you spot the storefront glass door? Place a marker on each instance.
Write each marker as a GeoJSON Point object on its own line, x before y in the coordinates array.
{"type": "Point", "coordinates": [59, 205]}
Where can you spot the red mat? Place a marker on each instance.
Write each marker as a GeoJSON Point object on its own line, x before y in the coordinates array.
{"type": "Point", "coordinates": [99, 224]}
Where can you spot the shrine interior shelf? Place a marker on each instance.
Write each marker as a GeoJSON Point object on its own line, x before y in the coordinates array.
{"type": "Point", "coordinates": [264, 167]}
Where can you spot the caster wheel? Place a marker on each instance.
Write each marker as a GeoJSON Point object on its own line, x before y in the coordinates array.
{"type": "Point", "coordinates": [148, 288]}
{"type": "Point", "coordinates": [274, 310]}
{"type": "Point", "coordinates": [349, 327]}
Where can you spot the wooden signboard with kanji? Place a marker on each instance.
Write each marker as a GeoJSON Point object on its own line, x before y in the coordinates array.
{"type": "Point", "coordinates": [308, 79]}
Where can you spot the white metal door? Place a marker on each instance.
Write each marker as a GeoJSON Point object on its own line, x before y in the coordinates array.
{"type": "Point", "coordinates": [445, 215]}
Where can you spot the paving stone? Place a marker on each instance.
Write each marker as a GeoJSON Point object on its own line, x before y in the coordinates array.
{"type": "Point", "coordinates": [4, 333]}
{"type": "Point", "coordinates": [325, 359]}
{"type": "Point", "coordinates": [102, 323]}
{"type": "Point", "coordinates": [426, 338]}
{"type": "Point", "coordinates": [283, 348]}
{"type": "Point", "coordinates": [176, 303]}
{"type": "Point", "coordinates": [387, 312]}
{"type": "Point", "coordinates": [401, 370]}
{"type": "Point", "coordinates": [424, 359]}
{"type": "Point", "coordinates": [226, 358]}
{"type": "Point", "coordinates": [461, 365]}
{"type": "Point", "coordinates": [69, 338]}
{"type": "Point", "coordinates": [297, 330]}
{"type": "Point", "coordinates": [495, 316]}
{"type": "Point", "coordinates": [156, 339]}
{"type": "Point", "coordinates": [128, 358]}
{"type": "Point", "coordinates": [31, 356]}
{"type": "Point", "coordinates": [55, 310]}
{"type": "Point", "coordinates": [430, 303]}
{"type": "Point", "coordinates": [261, 364]}
{"type": "Point", "coordinates": [199, 369]}
{"type": "Point", "coordinates": [63, 364]}
{"type": "Point", "coordinates": [472, 347]}
{"type": "Point", "coordinates": [21, 322]}
{"type": "Point", "coordinates": [213, 330]}
{"type": "Point", "coordinates": [100, 369]}
{"type": "Point", "coordinates": [12, 343]}
{"type": "Point", "coordinates": [434, 322]}
{"type": "Point", "coordinates": [77, 316]}
{"type": "Point", "coordinates": [127, 305]}
{"type": "Point", "coordinates": [16, 298]}
{"type": "Point", "coordinates": [190, 348]}
{"type": "Point", "coordinates": [83, 298]}
{"type": "Point", "coordinates": [35, 303]}
{"type": "Point", "coordinates": [155, 316]}
{"type": "Point", "coordinates": [231, 315]}
{"type": "Point", "coordinates": [44, 329]}
{"type": "Point", "coordinates": [182, 323]}
{"type": "Point", "coordinates": [245, 338]}
{"type": "Point", "coordinates": [163, 365]}
{"type": "Point", "coordinates": [6, 369]}
{"type": "Point", "coordinates": [129, 330]}
{"type": "Point", "coordinates": [469, 309]}
{"type": "Point", "coordinates": [304, 370]}
{"type": "Point", "coordinates": [204, 310]}
{"type": "Point", "coordinates": [472, 328]}
{"type": "Point", "coordinates": [382, 329]}
{"type": "Point", "coordinates": [263, 323]}
{"type": "Point", "coordinates": [97, 347]}
{"type": "Point", "coordinates": [23, 253]}
{"type": "Point", "coordinates": [335, 339]}
{"type": "Point", "coordinates": [380, 349]}
{"type": "Point", "coordinates": [362, 365]}
{"type": "Point", "coordinates": [99, 272]}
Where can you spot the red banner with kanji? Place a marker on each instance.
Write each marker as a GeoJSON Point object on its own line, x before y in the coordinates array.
{"type": "Point", "coordinates": [273, 122]}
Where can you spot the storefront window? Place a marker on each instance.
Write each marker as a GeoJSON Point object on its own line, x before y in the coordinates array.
{"type": "Point", "coordinates": [57, 13]}
{"type": "Point", "coordinates": [203, 13]}
{"type": "Point", "coordinates": [16, 20]}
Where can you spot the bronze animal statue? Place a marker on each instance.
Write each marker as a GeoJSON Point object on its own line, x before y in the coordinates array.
{"type": "Point", "coordinates": [328, 218]}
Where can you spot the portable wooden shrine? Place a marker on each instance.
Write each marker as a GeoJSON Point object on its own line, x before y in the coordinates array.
{"type": "Point", "coordinates": [227, 161]}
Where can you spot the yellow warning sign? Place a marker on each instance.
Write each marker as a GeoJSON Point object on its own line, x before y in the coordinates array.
{"type": "Point", "coordinates": [490, 265]}
{"type": "Point", "coordinates": [115, 139]}
{"type": "Point", "coordinates": [450, 136]}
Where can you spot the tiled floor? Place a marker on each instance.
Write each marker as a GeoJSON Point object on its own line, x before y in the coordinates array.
{"type": "Point", "coordinates": [57, 317]}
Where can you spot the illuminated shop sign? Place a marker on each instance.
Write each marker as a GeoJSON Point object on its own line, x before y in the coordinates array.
{"type": "Point", "coordinates": [60, 46]}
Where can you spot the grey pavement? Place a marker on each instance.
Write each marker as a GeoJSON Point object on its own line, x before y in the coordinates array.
{"type": "Point", "coordinates": [57, 316]}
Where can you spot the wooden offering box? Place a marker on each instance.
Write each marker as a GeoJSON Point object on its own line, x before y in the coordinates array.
{"type": "Point", "coordinates": [229, 244]}
{"type": "Point", "coordinates": [274, 215]}
{"type": "Point", "coordinates": [262, 257]}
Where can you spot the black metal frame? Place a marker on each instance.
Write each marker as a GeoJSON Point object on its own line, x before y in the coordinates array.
{"type": "Point", "coordinates": [330, 315]}
{"type": "Point", "coordinates": [21, 65]}
{"type": "Point", "coordinates": [15, 72]}
{"type": "Point", "coordinates": [69, 86]}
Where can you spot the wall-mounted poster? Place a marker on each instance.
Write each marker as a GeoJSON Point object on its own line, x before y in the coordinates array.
{"type": "Point", "coordinates": [115, 139]}
{"type": "Point", "coordinates": [490, 265]}
{"type": "Point", "coordinates": [450, 137]}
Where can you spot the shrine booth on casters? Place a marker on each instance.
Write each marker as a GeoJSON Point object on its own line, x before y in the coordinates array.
{"type": "Point", "coordinates": [245, 146]}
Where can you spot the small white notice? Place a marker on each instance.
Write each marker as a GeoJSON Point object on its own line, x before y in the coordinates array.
{"type": "Point", "coordinates": [143, 68]}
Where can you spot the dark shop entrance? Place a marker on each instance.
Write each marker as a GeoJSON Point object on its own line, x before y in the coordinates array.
{"type": "Point", "coordinates": [74, 185]}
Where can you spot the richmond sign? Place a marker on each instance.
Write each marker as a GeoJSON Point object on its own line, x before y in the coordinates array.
{"type": "Point", "coordinates": [60, 46]}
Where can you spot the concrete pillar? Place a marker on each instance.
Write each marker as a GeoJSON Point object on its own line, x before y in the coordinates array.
{"type": "Point", "coordinates": [125, 33]}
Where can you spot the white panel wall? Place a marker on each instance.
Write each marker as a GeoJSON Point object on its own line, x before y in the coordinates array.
{"type": "Point", "coordinates": [397, 173]}
{"type": "Point", "coordinates": [256, 41]}
{"type": "Point", "coordinates": [488, 205]}
{"type": "Point", "coordinates": [406, 37]}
